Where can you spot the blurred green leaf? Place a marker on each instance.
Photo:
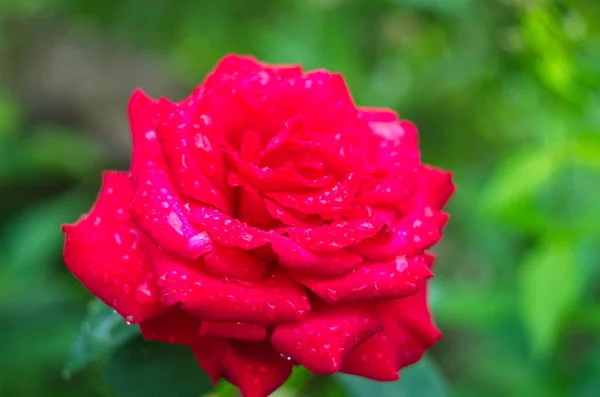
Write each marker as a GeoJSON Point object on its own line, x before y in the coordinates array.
{"type": "Point", "coordinates": [31, 241]}
{"type": "Point", "coordinates": [9, 117]}
{"type": "Point", "coordinates": [154, 369]}
{"type": "Point", "coordinates": [441, 6]}
{"type": "Point", "coordinates": [585, 151]}
{"type": "Point", "coordinates": [102, 331]}
{"type": "Point", "coordinates": [550, 287]}
{"type": "Point", "coordinates": [423, 379]}
{"type": "Point", "coordinates": [58, 149]}
{"type": "Point", "coordinates": [23, 249]}
{"type": "Point", "coordinates": [519, 178]}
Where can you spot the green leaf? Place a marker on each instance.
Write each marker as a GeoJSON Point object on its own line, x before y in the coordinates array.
{"type": "Point", "coordinates": [423, 379]}
{"type": "Point", "coordinates": [550, 288]}
{"type": "Point", "coordinates": [31, 242]}
{"type": "Point", "coordinates": [59, 149]}
{"type": "Point", "coordinates": [452, 7]}
{"type": "Point", "coordinates": [519, 178]}
{"type": "Point", "coordinates": [102, 331]}
{"type": "Point", "coordinates": [585, 151]}
{"type": "Point", "coordinates": [154, 369]}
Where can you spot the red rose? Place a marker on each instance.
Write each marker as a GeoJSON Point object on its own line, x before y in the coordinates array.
{"type": "Point", "coordinates": [267, 221]}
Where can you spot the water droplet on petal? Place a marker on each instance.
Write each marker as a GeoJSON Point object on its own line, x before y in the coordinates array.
{"type": "Point", "coordinates": [271, 311]}
{"type": "Point", "coordinates": [175, 222]}
{"type": "Point", "coordinates": [401, 263]}
{"type": "Point", "coordinates": [332, 294]}
{"type": "Point", "coordinates": [143, 294]}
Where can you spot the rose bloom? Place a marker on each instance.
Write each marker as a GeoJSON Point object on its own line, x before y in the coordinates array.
{"type": "Point", "coordinates": [267, 221]}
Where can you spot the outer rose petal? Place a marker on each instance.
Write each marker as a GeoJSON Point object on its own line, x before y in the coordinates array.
{"type": "Point", "coordinates": [256, 368]}
{"type": "Point", "coordinates": [233, 330]}
{"type": "Point", "coordinates": [180, 328]}
{"type": "Point", "coordinates": [377, 115]}
{"type": "Point", "coordinates": [324, 100]}
{"type": "Point", "coordinates": [389, 190]}
{"type": "Point", "coordinates": [157, 207]}
{"type": "Point", "coordinates": [273, 300]}
{"type": "Point", "coordinates": [174, 327]}
{"type": "Point", "coordinates": [103, 251]}
{"type": "Point", "coordinates": [209, 353]}
{"type": "Point", "coordinates": [321, 340]}
{"type": "Point", "coordinates": [407, 334]}
{"type": "Point", "coordinates": [400, 277]}
{"type": "Point", "coordinates": [436, 187]}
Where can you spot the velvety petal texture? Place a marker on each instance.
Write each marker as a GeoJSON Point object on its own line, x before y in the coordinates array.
{"type": "Point", "coordinates": [267, 221]}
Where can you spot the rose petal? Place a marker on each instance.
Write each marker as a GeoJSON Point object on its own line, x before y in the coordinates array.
{"type": "Point", "coordinates": [324, 202]}
{"type": "Point", "coordinates": [389, 190]}
{"type": "Point", "coordinates": [255, 367]}
{"type": "Point", "coordinates": [393, 279]}
{"type": "Point", "coordinates": [191, 150]}
{"type": "Point", "coordinates": [233, 233]}
{"type": "Point", "coordinates": [284, 178]}
{"type": "Point", "coordinates": [157, 207]}
{"type": "Point", "coordinates": [103, 251]}
{"type": "Point", "coordinates": [414, 233]}
{"type": "Point", "coordinates": [175, 327]}
{"type": "Point", "coordinates": [234, 263]}
{"type": "Point", "coordinates": [251, 148]}
{"type": "Point", "coordinates": [251, 209]}
{"type": "Point", "coordinates": [180, 328]}
{"type": "Point", "coordinates": [377, 115]}
{"type": "Point", "coordinates": [233, 330]}
{"type": "Point", "coordinates": [290, 217]}
{"type": "Point", "coordinates": [273, 300]}
{"type": "Point", "coordinates": [209, 354]}
{"type": "Point", "coordinates": [397, 151]}
{"type": "Point", "coordinates": [338, 235]}
{"type": "Point", "coordinates": [436, 187]}
{"type": "Point", "coordinates": [407, 334]}
{"type": "Point", "coordinates": [324, 100]}
{"type": "Point", "coordinates": [321, 340]}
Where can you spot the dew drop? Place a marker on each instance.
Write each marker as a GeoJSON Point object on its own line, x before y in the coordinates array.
{"type": "Point", "coordinates": [271, 311]}
{"type": "Point", "coordinates": [175, 222]}
{"type": "Point", "coordinates": [143, 294]}
{"type": "Point", "coordinates": [401, 263]}
{"type": "Point", "coordinates": [332, 294]}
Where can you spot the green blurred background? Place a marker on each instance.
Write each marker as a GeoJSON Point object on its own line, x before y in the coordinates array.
{"type": "Point", "coordinates": [505, 93]}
